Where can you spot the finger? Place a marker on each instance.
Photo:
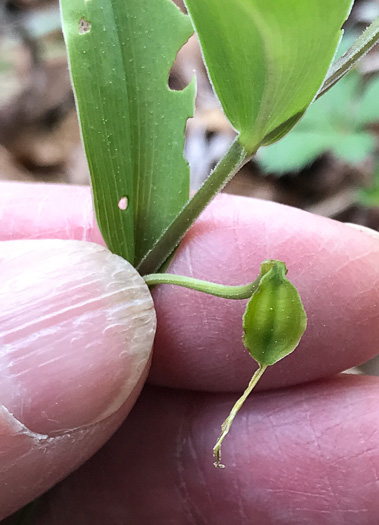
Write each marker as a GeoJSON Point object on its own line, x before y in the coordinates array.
{"type": "Point", "coordinates": [76, 330]}
{"type": "Point", "coordinates": [198, 343]}
{"type": "Point", "coordinates": [309, 454]}
{"type": "Point", "coordinates": [335, 268]}
{"type": "Point", "coordinates": [47, 211]}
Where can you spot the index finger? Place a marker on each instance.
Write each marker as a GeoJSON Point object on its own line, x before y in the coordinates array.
{"type": "Point", "coordinates": [198, 342]}
{"type": "Point", "coordinates": [47, 211]}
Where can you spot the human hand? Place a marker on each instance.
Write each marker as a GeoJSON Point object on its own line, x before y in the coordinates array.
{"type": "Point", "coordinates": [306, 454]}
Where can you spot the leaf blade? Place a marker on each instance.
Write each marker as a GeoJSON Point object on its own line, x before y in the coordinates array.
{"type": "Point", "coordinates": [262, 75]}
{"type": "Point", "coordinates": [132, 123]}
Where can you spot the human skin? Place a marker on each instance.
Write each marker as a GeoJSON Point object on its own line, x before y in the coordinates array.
{"type": "Point", "coordinates": [302, 454]}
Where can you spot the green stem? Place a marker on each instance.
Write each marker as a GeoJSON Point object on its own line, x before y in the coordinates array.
{"type": "Point", "coordinates": [234, 159]}
{"type": "Point", "coordinates": [225, 427]}
{"type": "Point", "coordinates": [361, 46]}
{"type": "Point", "coordinates": [219, 290]}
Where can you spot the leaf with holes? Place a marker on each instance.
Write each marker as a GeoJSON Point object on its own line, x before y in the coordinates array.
{"type": "Point", "coordinates": [132, 124]}
{"type": "Point", "coordinates": [267, 59]}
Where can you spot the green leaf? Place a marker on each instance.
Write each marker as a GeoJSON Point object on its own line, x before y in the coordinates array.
{"type": "Point", "coordinates": [332, 124]}
{"type": "Point", "coordinates": [354, 148]}
{"type": "Point", "coordinates": [267, 60]}
{"type": "Point", "coordinates": [369, 196]}
{"type": "Point", "coordinates": [300, 148]}
{"type": "Point", "coordinates": [340, 105]}
{"type": "Point", "coordinates": [369, 105]}
{"type": "Point", "coordinates": [274, 320]}
{"type": "Point", "coordinates": [293, 152]}
{"type": "Point", "coordinates": [132, 124]}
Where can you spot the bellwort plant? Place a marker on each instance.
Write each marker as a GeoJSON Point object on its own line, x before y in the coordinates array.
{"type": "Point", "coordinates": [267, 62]}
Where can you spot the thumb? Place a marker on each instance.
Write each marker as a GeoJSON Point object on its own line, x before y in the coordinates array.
{"type": "Point", "coordinates": [76, 329]}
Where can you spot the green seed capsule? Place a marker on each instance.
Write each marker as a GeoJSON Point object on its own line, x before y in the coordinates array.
{"type": "Point", "coordinates": [274, 319]}
{"type": "Point", "coordinates": [273, 322]}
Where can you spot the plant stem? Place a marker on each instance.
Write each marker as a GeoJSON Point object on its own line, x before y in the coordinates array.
{"type": "Point", "coordinates": [361, 46]}
{"type": "Point", "coordinates": [234, 159]}
{"type": "Point", "coordinates": [219, 290]}
{"type": "Point", "coordinates": [225, 427]}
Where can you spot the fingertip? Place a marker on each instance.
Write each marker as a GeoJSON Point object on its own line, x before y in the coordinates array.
{"type": "Point", "coordinates": [47, 211]}
{"type": "Point", "coordinates": [32, 463]}
{"type": "Point", "coordinates": [76, 327]}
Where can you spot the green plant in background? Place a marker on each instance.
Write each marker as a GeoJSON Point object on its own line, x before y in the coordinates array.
{"type": "Point", "coordinates": [338, 123]}
{"type": "Point", "coordinates": [267, 62]}
{"type": "Point", "coordinates": [369, 197]}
